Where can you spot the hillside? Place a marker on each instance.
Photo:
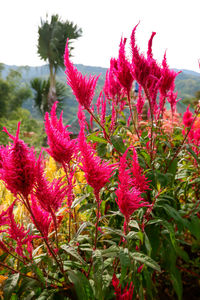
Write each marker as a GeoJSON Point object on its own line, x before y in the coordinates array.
{"type": "Point", "coordinates": [187, 83]}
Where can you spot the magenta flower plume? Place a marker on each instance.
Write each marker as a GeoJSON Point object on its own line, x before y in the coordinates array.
{"type": "Point", "coordinates": [187, 117]}
{"type": "Point", "coordinates": [139, 179]}
{"type": "Point", "coordinates": [168, 78]}
{"type": "Point", "coordinates": [172, 99]}
{"type": "Point", "coordinates": [18, 233]}
{"type": "Point", "coordinates": [103, 110]}
{"type": "Point", "coordinates": [4, 218]}
{"type": "Point", "coordinates": [50, 195]}
{"type": "Point", "coordinates": [61, 147]}
{"type": "Point", "coordinates": [97, 172]}
{"type": "Point", "coordinates": [141, 67]}
{"type": "Point", "coordinates": [123, 71]}
{"type": "Point", "coordinates": [41, 218]}
{"type": "Point", "coordinates": [17, 166]}
{"type": "Point", "coordinates": [128, 196]}
{"type": "Point", "coordinates": [112, 88]}
{"type": "Point", "coordinates": [69, 192]}
{"type": "Point", "coordinates": [126, 294]}
{"type": "Point", "coordinates": [146, 71]}
{"type": "Point", "coordinates": [83, 88]}
{"type": "Point", "coordinates": [140, 102]}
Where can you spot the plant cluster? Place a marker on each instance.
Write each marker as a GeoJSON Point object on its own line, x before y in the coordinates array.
{"type": "Point", "coordinates": [120, 217]}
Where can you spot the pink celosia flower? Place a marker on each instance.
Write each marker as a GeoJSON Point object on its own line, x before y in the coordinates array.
{"type": "Point", "coordinates": [113, 117]}
{"type": "Point", "coordinates": [168, 78]}
{"type": "Point", "coordinates": [49, 194]}
{"type": "Point", "coordinates": [139, 270]}
{"type": "Point", "coordinates": [141, 67]}
{"type": "Point", "coordinates": [4, 218]}
{"type": "Point", "coordinates": [69, 191]}
{"type": "Point", "coordinates": [126, 294]}
{"type": "Point", "coordinates": [103, 110]}
{"type": "Point", "coordinates": [172, 99]}
{"type": "Point", "coordinates": [146, 70]}
{"type": "Point", "coordinates": [123, 71]}
{"type": "Point", "coordinates": [17, 166]}
{"type": "Point", "coordinates": [98, 103]}
{"type": "Point", "coordinates": [83, 88]}
{"type": "Point", "coordinates": [140, 102]}
{"type": "Point", "coordinates": [128, 195]}
{"type": "Point", "coordinates": [150, 75]}
{"type": "Point", "coordinates": [97, 172]}
{"type": "Point", "coordinates": [112, 88]}
{"type": "Point", "coordinates": [187, 117]}
{"type": "Point", "coordinates": [61, 146]}
{"type": "Point", "coordinates": [18, 233]}
{"type": "Point", "coordinates": [41, 218]}
{"type": "Point", "coordinates": [139, 180]}
{"type": "Point", "coordinates": [81, 116]}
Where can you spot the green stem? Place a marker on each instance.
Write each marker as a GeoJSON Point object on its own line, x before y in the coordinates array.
{"type": "Point", "coordinates": [97, 223]}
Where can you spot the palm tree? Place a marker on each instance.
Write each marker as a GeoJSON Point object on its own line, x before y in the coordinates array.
{"type": "Point", "coordinates": [41, 90]}
{"type": "Point", "coordinates": [51, 45]}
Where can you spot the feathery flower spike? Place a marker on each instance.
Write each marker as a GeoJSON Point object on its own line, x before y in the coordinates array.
{"type": "Point", "coordinates": [42, 218]}
{"type": "Point", "coordinates": [187, 117]}
{"type": "Point", "coordinates": [18, 165]}
{"type": "Point", "coordinates": [83, 88]}
{"type": "Point", "coordinates": [126, 294]}
{"type": "Point", "coordinates": [128, 195]}
{"type": "Point", "coordinates": [49, 194]}
{"type": "Point", "coordinates": [61, 147]}
{"type": "Point", "coordinates": [123, 71]}
{"type": "Point", "coordinates": [97, 172]}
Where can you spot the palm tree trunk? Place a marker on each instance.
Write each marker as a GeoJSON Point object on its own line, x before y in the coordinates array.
{"type": "Point", "coordinates": [52, 89]}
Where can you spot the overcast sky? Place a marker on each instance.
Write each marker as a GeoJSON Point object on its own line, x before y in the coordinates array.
{"type": "Point", "coordinates": [103, 22]}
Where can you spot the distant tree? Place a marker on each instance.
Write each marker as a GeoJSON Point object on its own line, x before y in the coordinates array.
{"type": "Point", "coordinates": [41, 90]}
{"type": "Point", "coordinates": [51, 45]}
{"type": "Point", "coordinates": [12, 93]}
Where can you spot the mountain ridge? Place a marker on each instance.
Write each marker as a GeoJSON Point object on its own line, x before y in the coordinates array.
{"type": "Point", "coordinates": [187, 83]}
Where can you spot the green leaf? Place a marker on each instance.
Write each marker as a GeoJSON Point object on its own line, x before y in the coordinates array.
{"type": "Point", "coordinates": [147, 244]}
{"type": "Point", "coordinates": [73, 253]}
{"type": "Point", "coordinates": [112, 251]}
{"type": "Point", "coordinates": [172, 212]}
{"type": "Point", "coordinates": [114, 231]}
{"type": "Point", "coordinates": [82, 227]}
{"type": "Point", "coordinates": [125, 262]}
{"type": "Point", "coordinates": [93, 137]}
{"type": "Point", "coordinates": [194, 227]}
{"type": "Point", "coordinates": [118, 143]}
{"type": "Point", "coordinates": [173, 167]}
{"type": "Point", "coordinates": [81, 284]}
{"type": "Point", "coordinates": [26, 285]}
{"type": "Point", "coordinates": [132, 235]}
{"type": "Point", "coordinates": [98, 272]}
{"type": "Point", "coordinates": [79, 200]}
{"type": "Point", "coordinates": [142, 258]}
{"type": "Point", "coordinates": [101, 149]}
{"type": "Point", "coordinates": [10, 285]}
{"type": "Point", "coordinates": [134, 224]}
{"type": "Point", "coordinates": [189, 149]}
{"type": "Point", "coordinates": [44, 295]}
{"type": "Point", "coordinates": [38, 273]}
{"type": "Point", "coordinates": [177, 283]}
